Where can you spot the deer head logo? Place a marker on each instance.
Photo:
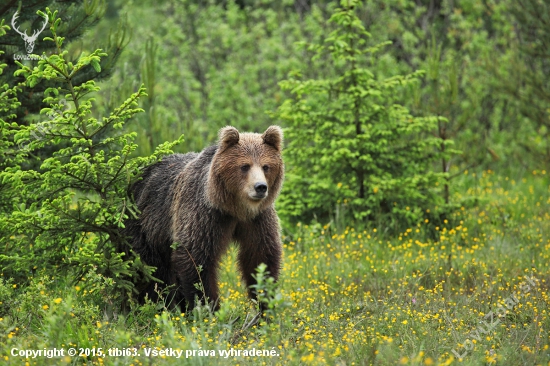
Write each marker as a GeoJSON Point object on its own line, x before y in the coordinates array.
{"type": "Point", "coordinates": [29, 40]}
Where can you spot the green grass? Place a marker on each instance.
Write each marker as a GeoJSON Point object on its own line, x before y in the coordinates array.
{"type": "Point", "coordinates": [348, 298]}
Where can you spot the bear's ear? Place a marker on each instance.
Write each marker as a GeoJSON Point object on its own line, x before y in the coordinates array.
{"type": "Point", "coordinates": [273, 136]}
{"type": "Point", "coordinates": [227, 137]}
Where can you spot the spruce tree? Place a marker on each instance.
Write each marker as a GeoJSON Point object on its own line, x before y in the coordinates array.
{"type": "Point", "coordinates": [64, 215]}
{"type": "Point", "coordinates": [353, 152]}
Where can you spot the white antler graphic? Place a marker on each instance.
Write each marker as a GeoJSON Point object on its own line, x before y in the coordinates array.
{"type": "Point", "coordinates": [29, 40]}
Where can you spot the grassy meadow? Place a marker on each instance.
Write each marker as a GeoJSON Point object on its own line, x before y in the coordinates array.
{"type": "Point", "coordinates": [471, 292]}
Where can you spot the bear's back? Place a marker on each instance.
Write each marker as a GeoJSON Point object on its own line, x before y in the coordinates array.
{"type": "Point", "coordinates": [153, 195]}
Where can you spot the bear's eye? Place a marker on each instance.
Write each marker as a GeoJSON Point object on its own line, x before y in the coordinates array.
{"type": "Point", "coordinates": [265, 168]}
{"type": "Point", "coordinates": [245, 168]}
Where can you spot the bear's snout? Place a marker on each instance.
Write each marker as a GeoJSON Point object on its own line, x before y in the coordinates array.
{"type": "Point", "coordinates": [259, 192]}
{"type": "Point", "coordinates": [257, 188]}
{"type": "Point", "coordinates": [260, 188]}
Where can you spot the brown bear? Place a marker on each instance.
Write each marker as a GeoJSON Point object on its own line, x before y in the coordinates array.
{"type": "Point", "coordinates": [197, 203]}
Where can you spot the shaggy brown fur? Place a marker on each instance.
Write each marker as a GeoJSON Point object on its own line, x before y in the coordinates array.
{"type": "Point", "coordinates": [203, 202]}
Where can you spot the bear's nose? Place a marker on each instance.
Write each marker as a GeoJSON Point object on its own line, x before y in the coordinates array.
{"type": "Point", "coordinates": [260, 187]}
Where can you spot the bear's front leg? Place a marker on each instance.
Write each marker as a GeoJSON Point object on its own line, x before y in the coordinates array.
{"type": "Point", "coordinates": [196, 275]}
{"type": "Point", "coordinates": [259, 242]}
{"type": "Point", "coordinates": [195, 260]}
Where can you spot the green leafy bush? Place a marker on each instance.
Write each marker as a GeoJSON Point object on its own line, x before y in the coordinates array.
{"type": "Point", "coordinates": [353, 152]}
{"type": "Point", "coordinates": [65, 216]}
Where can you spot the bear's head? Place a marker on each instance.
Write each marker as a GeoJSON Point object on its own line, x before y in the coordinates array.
{"type": "Point", "coordinates": [247, 171]}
